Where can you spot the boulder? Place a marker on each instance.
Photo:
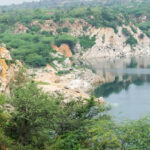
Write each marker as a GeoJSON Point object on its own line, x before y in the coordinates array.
{"type": "Point", "coordinates": [67, 62]}
{"type": "Point", "coordinates": [101, 100]}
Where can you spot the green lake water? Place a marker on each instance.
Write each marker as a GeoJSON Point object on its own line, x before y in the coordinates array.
{"type": "Point", "coordinates": [128, 91]}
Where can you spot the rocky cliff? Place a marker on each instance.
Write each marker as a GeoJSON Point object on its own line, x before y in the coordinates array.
{"type": "Point", "coordinates": [111, 44]}
{"type": "Point", "coordinates": [8, 69]}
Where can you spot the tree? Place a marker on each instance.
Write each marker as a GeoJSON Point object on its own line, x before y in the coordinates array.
{"type": "Point", "coordinates": [4, 140]}
{"type": "Point", "coordinates": [67, 39]}
{"type": "Point", "coordinates": [40, 121]}
{"type": "Point", "coordinates": [35, 60]}
{"type": "Point", "coordinates": [30, 122]}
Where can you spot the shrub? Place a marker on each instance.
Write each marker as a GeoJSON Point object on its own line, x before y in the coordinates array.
{"type": "Point", "coordinates": [71, 21]}
{"type": "Point", "coordinates": [141, 36]}
{"type": "Point", "coordinates": [87, 42]}
{"type": "Point", "coordinates": [59, 30]}
{"type": "Point", "coordinates": [85, 28]}
{"type": "Point", "coordinates": [35, 60]}
{"type": "Point", "coordinates": [65, 29]}
{"type": "Point", "coordinates": [47, 33]}
{"type": "Point", "coordinates": [131, 41]}
{"type": "Point", "coordinates": [62, 72]}
{"type": "Point", "coordinates": [133, 29]}
{"type": "Point", "coordinates": [129, 135]}
{"type": "Point", "coordinates": [35, 28]}
{"type": "Point", "coordinates": [126, 32]}
{"type": "Point", "coordinates": [67, 39]}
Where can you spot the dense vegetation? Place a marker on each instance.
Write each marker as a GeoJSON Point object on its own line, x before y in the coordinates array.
{"type": "Point", "coordinates": [38, 121]}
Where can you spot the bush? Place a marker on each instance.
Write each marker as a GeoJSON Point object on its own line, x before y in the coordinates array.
{"type": "Point", "coordinates": [35, 60]}
{"type": "Point", "coordinates": [131, 135]}
{"type": "Point", "coordinates": [131, 41]}
{"type": "Point", "coordinates": [126, 32]}
{"type": "Point", "coordinates": [63, 72]}
{"type": "Point", "coordinates": [71, 21]}
{"type": "Point", "coordinates": [141, 36]}
{"type": "Point", "coordinates": [46, 33]}
{"type": "Point", "coordinates": [59, 30]}
{"type": "Point", "coordinates": [85, 28]}
{"type": "Point", "coordinates": [67, 39]}
{"type": "Point", "coordinates": [133, 29]}
{"type": "Point", "coordinates": [35, 28]}
{"type": "Point", "coordinates": [65, 29]}
{"type": "Point", "coordinates": [87, 42]}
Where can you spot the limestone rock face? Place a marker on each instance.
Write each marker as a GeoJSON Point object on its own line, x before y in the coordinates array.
{"type": "Point", "coordinates": [7, 72]}
{"type": "Point", "coordinates": [77, 48]}
{"type": "Point", "coordinates": [4, 53]}
{"type": "Point", "coordinates": [111, 44]}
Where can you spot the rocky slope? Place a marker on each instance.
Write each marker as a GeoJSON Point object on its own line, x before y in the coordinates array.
{"type": "Point", "coordinates": [111, 44]}
{"type": "Point", "coordinates": [107, 44]}
{"type": "Point", "coordinates": [75, 84]}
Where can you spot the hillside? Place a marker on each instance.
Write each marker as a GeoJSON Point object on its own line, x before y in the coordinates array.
{"type": "Point", "coordinates": [34, 36]}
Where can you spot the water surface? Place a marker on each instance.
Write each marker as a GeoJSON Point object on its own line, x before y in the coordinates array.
{"type": "Point", "coordinates": [128, 85]}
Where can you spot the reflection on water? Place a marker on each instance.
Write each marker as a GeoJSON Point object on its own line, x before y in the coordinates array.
{"type": "Point", "coordinates": [117, 86]}
{"type": "Point", "coordinates": [127, 87]}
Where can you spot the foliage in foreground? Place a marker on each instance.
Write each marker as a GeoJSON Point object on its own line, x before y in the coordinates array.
{"type": "Point", "coordinates": [42, 122]}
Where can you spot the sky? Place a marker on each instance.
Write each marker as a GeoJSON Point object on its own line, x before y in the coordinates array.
{"type": "Point", "coordinates": [9, 2]}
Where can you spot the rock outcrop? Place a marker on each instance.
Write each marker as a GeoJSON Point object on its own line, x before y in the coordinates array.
{"type": "Point", "coordinates": [7, 70]}
{"type": "Point", "coordinates": [20, 28]}
{"type": "Point", "coordinates": [111, 44]}
{"type": "Point", "coordinates": [63, 49]}
{"type": "Point", "coordinates": [76, 84]}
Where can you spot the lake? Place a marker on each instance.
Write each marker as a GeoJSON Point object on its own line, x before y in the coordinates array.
{"type": "Point", "coordinates": [127, 86]}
